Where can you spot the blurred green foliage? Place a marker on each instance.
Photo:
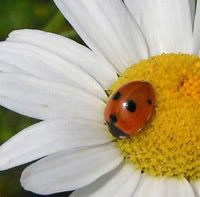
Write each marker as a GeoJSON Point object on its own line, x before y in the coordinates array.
{"type": "Point", "coordinates": [11, 122]}
{"type": "Point", "coordinates": [10, 185]}
{"type": "Point", "coordinates": [20, 14]}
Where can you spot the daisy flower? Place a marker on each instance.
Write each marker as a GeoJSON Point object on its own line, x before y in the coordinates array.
{"type": "Point", "coordinates": [66, 85]}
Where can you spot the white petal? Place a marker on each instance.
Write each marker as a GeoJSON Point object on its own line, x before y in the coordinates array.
{"type": "Point", "coordinates": [197, 29]}
{"type": "Point", "coordinates": [121, 182]}
{"type": "Point", "coordinates": [70, 51]}
{"type": "Point", "coordinates": [192, 9]}
{"type": "Point", "coordinates": [165, 187]}
{"type": "Point", "coordinates": [49, 137]}
{"type": "Point", "coordinates": [107, 28]}
{"type": "Point", "coordinates": [46, 100]}
{"type": "Point", "coordinates": [66, 171]}
{"type": "Point", "coordinates": [196, 186]}
{"type": "Point", "coordinates": [4, 67]}
{"type": "Point", "coordinates": [46, 65]}
{"type": "Point", "coordinates": [167, 25]}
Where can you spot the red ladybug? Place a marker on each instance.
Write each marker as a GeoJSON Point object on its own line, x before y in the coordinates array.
{"type": "Point", "coordinates": [129, 108]}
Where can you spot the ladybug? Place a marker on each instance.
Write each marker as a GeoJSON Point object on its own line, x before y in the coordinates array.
{"type": "Point", "coordinates": [129, 108]}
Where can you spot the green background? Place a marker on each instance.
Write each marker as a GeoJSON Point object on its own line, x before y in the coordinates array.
{"type": "Point", "coordinates": [20, 14]}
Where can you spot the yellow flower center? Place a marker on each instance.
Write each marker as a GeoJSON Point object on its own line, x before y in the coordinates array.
{"type": "Point", "coordinates": [169, 145]}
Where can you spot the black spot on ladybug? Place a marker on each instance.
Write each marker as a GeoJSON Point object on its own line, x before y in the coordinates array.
{"type": "Point", "coordinates": [149, 101]}
{"type": "Point", "coordinates": [116, 95]}
{"type": "Point", "coordinates": [130, 106]}
{"type": "Point", "coordinates": [113, 118]}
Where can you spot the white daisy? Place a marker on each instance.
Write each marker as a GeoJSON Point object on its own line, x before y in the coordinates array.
{"type": "Point", "coordinates": [54, 79]}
